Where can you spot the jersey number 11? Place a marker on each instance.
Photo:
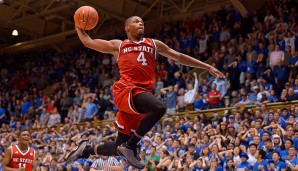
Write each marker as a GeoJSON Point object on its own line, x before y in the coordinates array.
{"type": "Point", "coordinates": [22, 165]}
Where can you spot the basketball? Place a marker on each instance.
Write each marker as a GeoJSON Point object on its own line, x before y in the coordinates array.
{"type": "Point", "coordinates": [86, 17]}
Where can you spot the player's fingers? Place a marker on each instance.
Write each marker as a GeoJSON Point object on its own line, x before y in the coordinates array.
{"type": "Point", "coordinates": [221, 74]}
{"type": "Point", "coordinates": [217, 74]}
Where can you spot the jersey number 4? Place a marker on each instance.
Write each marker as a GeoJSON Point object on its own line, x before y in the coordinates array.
{"type": "Point", "coordinates": [141, 58]}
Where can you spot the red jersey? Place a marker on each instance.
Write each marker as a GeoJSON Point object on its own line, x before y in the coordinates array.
{"type": "Point", "coordinates": [213, 100]}
{"type": "Point", "coordinates": [20, 159]}
{"type": "Point", "coordinates": [136, 62]}
{"type": "Point", "coordinates": [161, 74]}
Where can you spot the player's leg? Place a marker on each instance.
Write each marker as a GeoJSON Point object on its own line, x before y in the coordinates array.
{"type": "Point", "coordinates": [84, 150]}
{"type": "Point", "coordinates": [154, 110]}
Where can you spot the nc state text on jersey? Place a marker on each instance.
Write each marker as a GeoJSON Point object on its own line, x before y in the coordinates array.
{"type": "Point", "coordinates": [22, 160]}
{"type": "Point", "coordinates": [139, 49]}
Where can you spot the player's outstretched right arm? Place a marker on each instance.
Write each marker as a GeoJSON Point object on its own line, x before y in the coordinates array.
{"type": "Point", "coordinates": [166, 51]}
{"type": "Point", "coordinates": [100, 45]}
{"type": "Point", "coordinates": [6, 161]}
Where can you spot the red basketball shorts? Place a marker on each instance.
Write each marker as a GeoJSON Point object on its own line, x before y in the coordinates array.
{"type": "Point", "coordinates": [127, 118]}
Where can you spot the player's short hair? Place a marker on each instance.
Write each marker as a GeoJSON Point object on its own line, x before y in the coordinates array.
{"type": "Point", "coordinates": [127, 20]}
{"type": "Point", "coordinates": [22, 132]}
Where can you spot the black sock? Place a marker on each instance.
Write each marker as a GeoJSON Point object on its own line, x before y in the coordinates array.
{"type": "Point", "coordinates": [88, 151]}
{"type": "Point", "coordinates": [133, 141]}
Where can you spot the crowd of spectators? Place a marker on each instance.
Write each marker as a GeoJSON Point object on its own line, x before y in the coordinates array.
{"type": "Point", "coordinates": [257, 53]}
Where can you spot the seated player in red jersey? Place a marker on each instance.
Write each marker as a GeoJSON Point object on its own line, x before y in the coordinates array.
{"type": "Point", "coordinates": [19, 157]}
{"type": "Point", "coordinates": [139, 110]}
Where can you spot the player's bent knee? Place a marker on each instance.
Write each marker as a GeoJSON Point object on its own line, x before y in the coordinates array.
{"type": "Point", "coordinates": [160, 108]}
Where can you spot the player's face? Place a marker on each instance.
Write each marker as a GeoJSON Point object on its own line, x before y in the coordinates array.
{"type": "Point", "coordinates": [135, 26]}
{"type": "Point", "coordinates": [24, 138]}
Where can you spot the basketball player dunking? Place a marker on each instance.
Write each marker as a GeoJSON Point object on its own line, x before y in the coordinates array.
{"type": "Point", "coordinates": [19, 157]}
{"type": "Point", "coordinates": [139, 110]}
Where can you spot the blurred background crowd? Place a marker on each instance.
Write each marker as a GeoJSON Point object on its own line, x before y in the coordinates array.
{"type": "Point", "coordinates": [257, 53]}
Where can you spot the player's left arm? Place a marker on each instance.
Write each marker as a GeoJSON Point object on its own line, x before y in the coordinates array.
{"type": "Point", "coordinates": [164, 50]}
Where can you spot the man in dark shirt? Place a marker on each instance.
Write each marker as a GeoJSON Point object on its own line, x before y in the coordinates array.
{"type": "Point", "coordinates": [281, 73]}
{"type": "Point", "coordinates": [101, 104]}
{"type": "Point", "coordinates": [192, 152]}
{"type": "Point", "coordinates": [291, 95]}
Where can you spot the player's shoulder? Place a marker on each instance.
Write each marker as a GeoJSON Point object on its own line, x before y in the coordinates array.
{"type": "Point", "coordinates": [158, 43]}
{"type": "Point", "coordinates": [10, 147]}
{"type": "Point", "coordinates": [31, 148]}
{"type": "Point", "coordinates": [116, 42]}
{"type": "Point", "coordinates": [8, 151]}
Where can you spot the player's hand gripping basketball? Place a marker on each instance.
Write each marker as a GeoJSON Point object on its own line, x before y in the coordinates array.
{"type": "Point", "coordinates": [216, 72]}
{"type": "Point", "coordinates": [86, 17]}
{"type": "Point", "coordinates": [79, 29]}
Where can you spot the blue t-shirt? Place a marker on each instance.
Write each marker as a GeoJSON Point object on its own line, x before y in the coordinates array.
{"type": "Point", "coordinates": [126, 168]}
{"type": "Point", "coordinates": [252, 96]}
{"type": "Point", "coordinates": [184, 127]}
{"type": "Point", "coordinates": [199, 104]}
{"type": "Point", "coordinates": [268, 86]}
{"type": "Point", "coordinates": [25, 107]}
{"type": "Point", "coordinates": [269, 153]}
{"type": "Point", "coordinates": [272, 99]}
{"type": "Point", "coordinates": [292, 61]}
{"type": "Point", "coordinates": [284, 155]}
{"type": "Point", "coordinates": [23, 127]}
{"type": "Point", "coordinates": [219, 168]}
{"type": "Point", "coordinates": [282, 44]}
{"type": "Point", "coordinates": [13, 124]}
{"type": "Point", "coordinates": [262, 51]}
{"type": "Point", "coordinates": [281, 73]}
{"type": "Point", "coordinates": [242, 66]}
{"type": "Point", "coordinates": [171, 99]}
{"type": "Point", "coordinates": [282, 123]}
{"type": "Point", "coordinates": [264, 163]}
{"type": "Point", "coordinates": [91, 108]}
{"type": "Point", "coordinates": [296, 143]}
{"type": "Point", "coordinates": [2, 112]}
{"type": "Point", "coordinates": [280, 165]}
{"type": "Point", "coordinates": [196, 168]}
{"type": "Point", "coordinates": [244, 165]}
{"type": "Point", "coordinates": [39, 101]}
{"type": "Point", "coordinates": [294, 161]}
